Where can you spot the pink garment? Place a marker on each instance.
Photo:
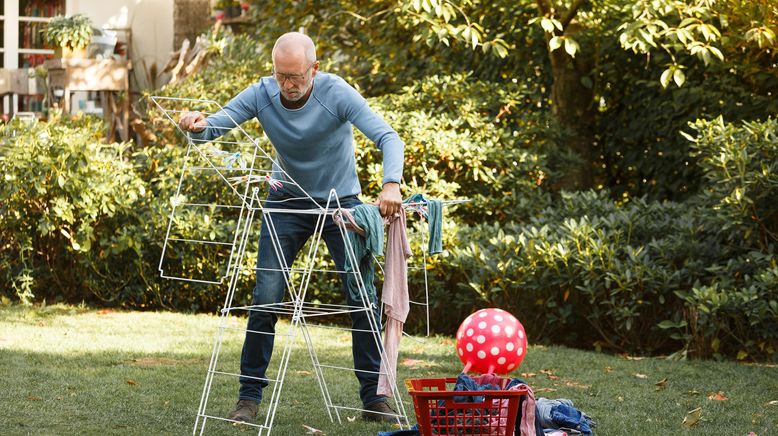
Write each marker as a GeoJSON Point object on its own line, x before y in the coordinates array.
{"type": "Point", "coordinates": [527, 425]}
{"type": "Point", "coordinates": [344, 218]}
{"type": "Point", "coordinates": [395, 298]}
{"type": "Point", "coordinates": [491, 379]}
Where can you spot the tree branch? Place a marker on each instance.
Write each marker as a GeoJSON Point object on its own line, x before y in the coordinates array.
{"type": "Point", "coordinates": [570, 14]}
{"type": "Point", "coordinates": [544, 6]}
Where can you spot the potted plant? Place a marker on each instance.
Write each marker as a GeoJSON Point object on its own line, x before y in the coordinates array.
{"type": "Point", "coordinates": [69, 35]}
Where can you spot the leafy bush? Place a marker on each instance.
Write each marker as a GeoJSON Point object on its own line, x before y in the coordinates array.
{"type": "Point", "coordinates": [66, 201]}
{"type": "Point", "coordinates": [698, 276]}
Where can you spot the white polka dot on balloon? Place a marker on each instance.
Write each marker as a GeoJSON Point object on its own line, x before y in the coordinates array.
{"type": "Point", "coordinates": [508, 331]}
{"type": "Point", "coordinates": [501, 360]}
{"type": "Point", "coordinates": [509, 346]}
{"type": "Point", "coordinates": [495, 351]}
{"type": "Point", "coordinates": [520, 351]}
{"type": "Point", "coordinates": [481, 339]}
{"type": "Point", "coordinates": [469, 346]}
{"type": "Point", "coordinates": [496, 329]}
{"type": "Point", "coordinates": [470, 332]}
{"type": "Point", "coordinates": [461, 351]}
{"type": "Point", "coordinates": [483, 314]}
{"type": "Point", "coordinates": [482, 325]}
{"type": "Point", "coordinates": [481, 354]}
{"type": "Point", "coordinates": [498, 318]}
{"type": "Point", "coordinates": [521, 334]}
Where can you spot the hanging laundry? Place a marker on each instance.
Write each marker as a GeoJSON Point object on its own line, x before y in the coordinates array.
{"type": "Point", "coordinates": [432, 210]}
{"type": "Point", "coordinates": [395, 297]}
{"type": "Point", "coordinates": [366, 218]}
{"type": "Point", "coordinates": [435, 220]}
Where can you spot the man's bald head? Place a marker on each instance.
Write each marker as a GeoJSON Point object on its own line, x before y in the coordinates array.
{"type": "Point", "coordinates": [294, 44]}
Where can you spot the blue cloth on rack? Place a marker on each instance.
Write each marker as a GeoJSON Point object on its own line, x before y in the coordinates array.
{"type": "Point", "coordinates": [434, 216]}
{"type": "Point", "coordinates": [435, 219]}
{"type": "Point", "coordinates": [369, 219]}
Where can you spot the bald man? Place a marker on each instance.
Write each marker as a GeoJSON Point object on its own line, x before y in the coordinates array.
{"type": "Point", "coordinates": [308, 116]}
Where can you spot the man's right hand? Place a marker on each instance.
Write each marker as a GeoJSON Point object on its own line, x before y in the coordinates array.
{"type": "Point", "coordinates": [192, 122]}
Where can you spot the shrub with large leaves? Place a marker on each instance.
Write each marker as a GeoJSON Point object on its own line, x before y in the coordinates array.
{"type": "Point", "coordinates": [67, 202]}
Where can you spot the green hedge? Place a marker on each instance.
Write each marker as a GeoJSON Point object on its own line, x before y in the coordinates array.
{"type": "Point", "coordinates": [696, 277]}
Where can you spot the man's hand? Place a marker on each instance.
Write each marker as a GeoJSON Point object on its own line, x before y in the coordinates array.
{"type": "Point", "coordinates": [192, 122]}
{"type": "Point", "coordinates": [390, 200]}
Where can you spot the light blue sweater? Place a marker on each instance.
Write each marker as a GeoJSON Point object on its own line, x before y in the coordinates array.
{"type": "Point", "coordinates": [314, 144]}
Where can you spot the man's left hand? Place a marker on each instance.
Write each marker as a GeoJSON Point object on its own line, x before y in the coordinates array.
{"type": "Point", "coordinates": [390, 200]}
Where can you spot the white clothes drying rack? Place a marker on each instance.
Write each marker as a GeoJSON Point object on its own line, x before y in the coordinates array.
{"type": "Point", "coordinates": [218, 186]}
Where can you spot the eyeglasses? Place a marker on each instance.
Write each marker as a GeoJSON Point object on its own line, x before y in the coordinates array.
{"type": "Point", "coordinates": [297, 79]}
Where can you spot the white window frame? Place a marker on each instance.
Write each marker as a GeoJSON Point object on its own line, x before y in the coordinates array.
{"type": "Point", "coordinates": [11, 50]}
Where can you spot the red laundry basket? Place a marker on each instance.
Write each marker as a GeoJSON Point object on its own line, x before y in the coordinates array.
{"type": "Point", "coordinates": [438, 414]}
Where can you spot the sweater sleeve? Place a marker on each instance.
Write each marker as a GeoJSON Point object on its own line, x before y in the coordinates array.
{"type": "Point", "coordinates": [241, 108]}
{"type": "Point", "coordinates": [357, 111]}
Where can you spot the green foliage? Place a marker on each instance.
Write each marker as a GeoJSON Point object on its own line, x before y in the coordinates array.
{"type": "Point", "coordinates": [72, 32]}
{"type": "Point", "coordinates": [741, 173]}
{"type": "Point", "coordinates": [459, 144]}
{"type": "Point", "coordinates": [698, 276]}
{"type": "Point", "coordinates": [640, 149]}
{"type": "Point", "coordinates": [700, 28]}
{"type": "Point", "coordinates": [66, 200]}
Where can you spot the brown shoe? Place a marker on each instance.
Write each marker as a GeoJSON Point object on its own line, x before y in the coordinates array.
{"type": "Point", "coordinates": [245, 411]}
{"type": "Point", "coordinates": [380, 412]}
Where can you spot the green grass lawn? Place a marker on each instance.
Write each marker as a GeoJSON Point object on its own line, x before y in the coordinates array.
{"type": "Point", "coordinates": [69, 370]}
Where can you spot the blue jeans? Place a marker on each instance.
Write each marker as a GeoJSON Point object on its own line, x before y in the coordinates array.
{"type": "Point", "coordinates": [293, 231]}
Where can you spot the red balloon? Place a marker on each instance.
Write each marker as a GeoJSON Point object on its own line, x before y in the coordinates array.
{"type": "Point", "coordinates": [491, 341]}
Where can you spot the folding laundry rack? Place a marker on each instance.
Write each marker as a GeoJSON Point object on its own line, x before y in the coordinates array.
{"type": "Point", "coordinates": [218, 193]}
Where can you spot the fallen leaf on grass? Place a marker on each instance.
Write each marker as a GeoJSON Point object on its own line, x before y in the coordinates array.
{"type": "Point", "coordinates": [772, 403]}
{"type": "Point", "coordinates": [539, 390]}
{"type": "Point", "coordinates": [692, 417]}
{"type": "Point", "coordinates": [639, 375]}
{"type": "Point", "coordinates": [575, 384]}
{"type": "Point", "coordinates": [661, 384]}
{"type": "Point", "coordinates": [132, 382]}
{"type": "Point", "coordinates": [607, 369]}
{"type": "Point", "coordinates": [311, 430]}
{"type": "Point", "coordinates": [549, 374]}
{"type": "Point", "coordinates": [301, 372]}
{"type": "Point", "coordinates": [104, 312]}
{"type": "Point", "coordinates": [351, 418]}
{"type": "Point", "coordinates": [717, 396]}
{"type": "Point", "coordinates": [34, 398]}
{"type": "Point", "coordinates": [528, 374]}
